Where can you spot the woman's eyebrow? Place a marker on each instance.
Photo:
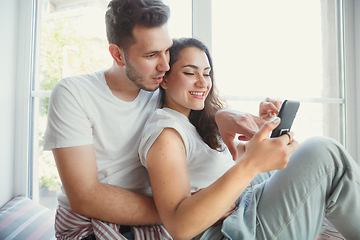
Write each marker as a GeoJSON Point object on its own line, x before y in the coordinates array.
{"type": "Point", "coordinates": [191, 66]}
{"type": "Point", "coordinates": [195, 67]}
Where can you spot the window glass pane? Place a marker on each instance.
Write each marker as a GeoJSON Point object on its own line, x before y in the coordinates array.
{"type": "Point", "coordinates": [71, 41]}
{"type": "Point", "coordinates": [269, 47]}
{"type": "Point", "coordinates": [281, 49]}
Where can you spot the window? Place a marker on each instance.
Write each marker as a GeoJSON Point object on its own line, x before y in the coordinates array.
{"type": "Point", "coordinates": [272, 50]}
{"type": "Point", "coordinates": [260, 49]}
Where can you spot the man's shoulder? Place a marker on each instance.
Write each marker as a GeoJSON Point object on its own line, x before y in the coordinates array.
{"type": "Point", "coordinates": [79, 83]}
{"type": "Point", "coordinates": [87, 78]}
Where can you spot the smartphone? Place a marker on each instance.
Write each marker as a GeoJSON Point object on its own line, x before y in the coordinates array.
{"type": "Point", "coordinates": [287, 115]}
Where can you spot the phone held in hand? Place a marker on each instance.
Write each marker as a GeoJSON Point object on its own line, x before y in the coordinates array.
{"type": "Point", "coordinates": [287, 115]}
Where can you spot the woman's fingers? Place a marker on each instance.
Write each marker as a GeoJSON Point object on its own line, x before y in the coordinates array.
{"type": "Point", "coordinates": [265, 130]}
{"type": "Point", "coordinates": [269, 108]}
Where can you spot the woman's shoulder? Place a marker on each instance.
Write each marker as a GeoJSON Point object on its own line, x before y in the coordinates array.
{"type": "Point", "coordinates": [167, 116]}
{"type": "Point", "coordinates": [160, 120]}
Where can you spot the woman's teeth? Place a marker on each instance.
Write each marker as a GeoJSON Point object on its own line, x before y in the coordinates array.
{"type": "Point", "coordinates": [198, 94]}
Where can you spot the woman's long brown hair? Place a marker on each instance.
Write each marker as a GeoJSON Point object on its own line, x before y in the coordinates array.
{"type": "Point", "coordinates": [203, 120]}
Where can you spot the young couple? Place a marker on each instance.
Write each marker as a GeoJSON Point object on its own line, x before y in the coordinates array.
{"type": "Point", "coordinates": [100, 123]}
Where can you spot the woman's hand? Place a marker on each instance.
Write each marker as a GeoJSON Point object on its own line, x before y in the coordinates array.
{"type": "Point", "coordinates": [269, 109]}
{"type": "Point", "coordinates": [231, 123]}
{"type": "Point", "coordinates": [266, 154]}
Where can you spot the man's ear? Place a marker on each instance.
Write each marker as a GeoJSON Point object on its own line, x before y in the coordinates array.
{"type": "Point", "coordinates": [164, 82]}
{"type": "Point", "coordinates": [117, 54]}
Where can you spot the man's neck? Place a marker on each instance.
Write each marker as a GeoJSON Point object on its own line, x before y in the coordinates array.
{"type": "Point", "coordinates": [120, 85]}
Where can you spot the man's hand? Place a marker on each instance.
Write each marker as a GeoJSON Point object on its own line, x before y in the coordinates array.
{"type": "Point", "coordinates": [232, 122]}
{"type": "Point", "coordinates": [269, 109]}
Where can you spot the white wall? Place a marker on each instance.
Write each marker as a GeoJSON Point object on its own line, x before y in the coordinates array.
{"type": "Point", "coordinates": [8, 41]}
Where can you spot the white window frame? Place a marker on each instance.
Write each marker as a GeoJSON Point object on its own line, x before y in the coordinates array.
{"type": "Point", "coordinates": [355, 126]}
{"type": "Point", "coordinates": [25, 51]}
{"type": "Point", "coordinates": [351, 31]}
{"type": "Point", "coordinates": [201, 17]}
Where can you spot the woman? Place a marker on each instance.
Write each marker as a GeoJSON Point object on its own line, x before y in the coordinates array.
{"type": "Point", "coordinates": [184, 155]}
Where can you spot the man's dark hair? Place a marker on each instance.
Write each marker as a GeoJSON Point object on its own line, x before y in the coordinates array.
{"type": "Point", "coordinates": [123, 15]}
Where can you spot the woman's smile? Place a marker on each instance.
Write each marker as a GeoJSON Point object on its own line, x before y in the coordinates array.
{"type": "Point", "coordinates": [197, 94]}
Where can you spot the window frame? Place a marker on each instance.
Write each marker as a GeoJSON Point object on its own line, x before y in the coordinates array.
{"type": "Point", "coordinates": [23, 101]}
{"type": "Point", "coordinates": [351, 67]}
{"type": "Point", "coordinates": [24, 97]}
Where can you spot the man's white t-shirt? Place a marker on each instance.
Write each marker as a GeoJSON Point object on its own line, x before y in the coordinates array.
{"type": "Point", "coordinates": [83, 111]}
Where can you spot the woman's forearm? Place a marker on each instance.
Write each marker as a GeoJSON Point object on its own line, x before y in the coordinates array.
{"type": "Point", "coordinates": [201, 210]}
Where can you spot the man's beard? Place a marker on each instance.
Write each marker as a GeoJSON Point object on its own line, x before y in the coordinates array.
{"type": "Point", "coordinates": [136, 77]}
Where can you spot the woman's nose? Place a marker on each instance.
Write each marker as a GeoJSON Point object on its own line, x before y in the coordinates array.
{"type": "Point", "coordinates": [201, 82]}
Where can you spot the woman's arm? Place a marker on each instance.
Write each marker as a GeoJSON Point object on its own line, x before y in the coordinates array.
{"type": "Point", "coordinates": [232, 122]}
{"type": "Point", "coordinates": [185, 215]}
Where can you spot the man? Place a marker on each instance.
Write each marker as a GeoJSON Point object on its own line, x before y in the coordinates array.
{"type": "Point", "coordinates": [95, 121]}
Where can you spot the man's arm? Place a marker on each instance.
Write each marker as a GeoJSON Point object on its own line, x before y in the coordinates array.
{"type": "Point", "coordinates": [89, 197]}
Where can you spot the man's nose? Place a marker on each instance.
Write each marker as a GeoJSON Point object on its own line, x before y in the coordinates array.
{"type": "Point", "coordinates": [163, 64]}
